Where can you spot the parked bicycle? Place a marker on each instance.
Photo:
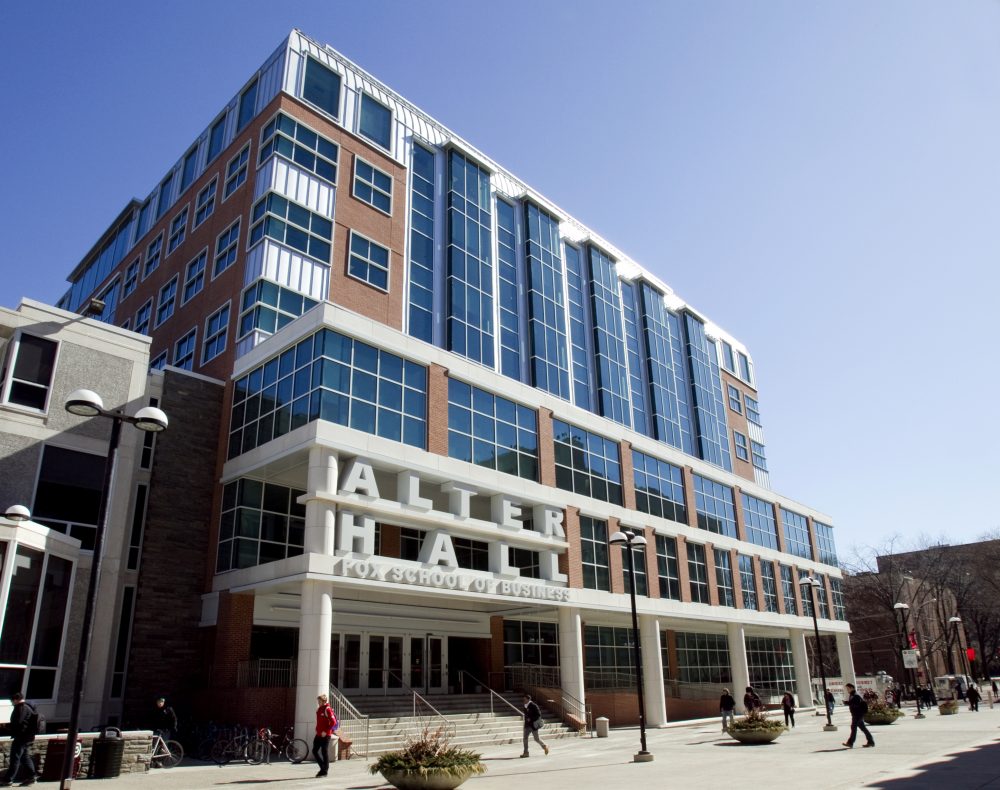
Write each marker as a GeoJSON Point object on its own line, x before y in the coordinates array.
{"type": "Point", "coordinates": [166, 754]}
{"type": "Point", "coordinates": [294, 749]}
{"type": "Point", "coordinates": [235, 748]}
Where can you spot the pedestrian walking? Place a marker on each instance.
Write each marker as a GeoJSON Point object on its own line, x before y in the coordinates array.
{"type": "Point", "coordinates": [788, 707]}
{"type": "Point", "coordinates": [993, 685]}
{"type": "Point", "coordinates": [974, 696]}
{"type": "Point", "coordinates": [532, 724]}
{"type": "Point", "coordinates": [831, 703]}
{"type": "Point", "coordinates": [751, 701]}
{"type": "Point", "coordinates": [23, 728]}
{"type": "Point", "coordinates": [727, 707]}
{"type": "Point", "coordinates": [326, 728]}
{"type": "Point", "coordinates": [858, 708]}
{"type": "Point", "coordinates": [163, 720]}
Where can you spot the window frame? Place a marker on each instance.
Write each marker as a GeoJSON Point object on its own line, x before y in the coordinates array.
{"type": "Point", "coordinates": [361, 109]}
{"type": "Point", "coordinates": [733, 396]}
{"type": "Point", "coordinates": [351, 254]}
{"type": "Point", "coordinates": [195, 222]}
{"type": "Point", "coordinates": [206, 338]}
{"type": "Point", "coordinates": [194, 348]}
{"type": "Point", "coordinates": [234, 245]}
{"type": "Point", "coordinates": [226, 191]}
{"type": "Point", "coordinates": [340, 87]}
{"type": "Point", "coordinates": [157, 321]}
{"type": "Point", "coordinates": [187, 279]}
{"type": "Point", "coordinates": [131, 278]}
{"type": "Point", "coordinates": [10, 361]}
{"type": "Point", "coordinates": [158, 241]}
{"type": "Point", "coordinates": [219, 120]}
{"type": "Point", "coordinates": [159, 362]}
{"type": "Point", "coordinates": [177, 235]}
{"type": "Point", "coordinates": [149, 318]}
{"type": "Point", "coordinates": [741, 446]}
{"type": "Point", "coordinates": [354, 184]}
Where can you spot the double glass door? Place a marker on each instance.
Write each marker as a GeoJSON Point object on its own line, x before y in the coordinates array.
{"type": "Point", "coordinates": [371, 663]}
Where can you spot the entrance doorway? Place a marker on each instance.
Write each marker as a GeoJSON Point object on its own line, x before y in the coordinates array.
{"type": "Point", "coordinates": [368, 663]}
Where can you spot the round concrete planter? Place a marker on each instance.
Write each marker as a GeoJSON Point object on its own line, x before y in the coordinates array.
{"type": "Point", "coordinates": [431, 780]}
{"type": "Point", "coordinates": [879, 719]}
{"type": "Point", "coordinates": [753, 737]}
{"type": "Point", "coordinates": [948, 710]}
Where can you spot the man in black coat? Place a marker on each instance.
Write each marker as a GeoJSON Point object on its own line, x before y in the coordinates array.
{"type": "Point", "coordinates": [22, 733]}
{"type": "Point", "coordinates": [858, 708]}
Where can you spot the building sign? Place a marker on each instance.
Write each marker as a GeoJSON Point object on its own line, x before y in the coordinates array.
{"type": "Point", "coordinates": [438, 562]}
{"type": "Point", "coordinates": [910, 659]}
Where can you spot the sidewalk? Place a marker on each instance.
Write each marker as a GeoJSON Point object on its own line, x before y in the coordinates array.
{"type": "Point", "coordinates": [958, 752]}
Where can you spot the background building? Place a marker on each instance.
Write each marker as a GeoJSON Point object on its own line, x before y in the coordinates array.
{"type": "Point", "coordinates": [440, 397]}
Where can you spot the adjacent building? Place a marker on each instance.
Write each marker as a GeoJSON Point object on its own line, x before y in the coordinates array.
{"type": "Point", "coordinates": [427, 398]}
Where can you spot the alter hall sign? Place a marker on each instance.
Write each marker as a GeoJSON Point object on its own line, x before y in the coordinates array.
{"type": "Point", "coordinates": [361, 504]}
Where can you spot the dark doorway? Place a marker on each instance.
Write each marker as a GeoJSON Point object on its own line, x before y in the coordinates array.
{"type": "Point", "coordinates": [471, 656]}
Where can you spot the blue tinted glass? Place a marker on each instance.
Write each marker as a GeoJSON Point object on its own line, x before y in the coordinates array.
{"type": "Point", "coordinates": [376, 121]}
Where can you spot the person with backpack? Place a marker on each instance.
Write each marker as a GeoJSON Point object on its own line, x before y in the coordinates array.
{"type": "Point", "coordinates": [751, 701]}
{"type": "Point", "coordinates": [858, 708]}
{"type": "Point", "coordinates": [727, 705]}
{"type": "Point", "coordinates": [788, 708]}
{"type": "Point", "coordinates": [532, 724]}
{"type": "Point", "coordinates": [163, 720]}
{"type": "Point", "coordinates": [24, 725]}
{"type": "Point", "coordinates": [973, 696]}
{"type": "Point", "coordinates": [326, 727]}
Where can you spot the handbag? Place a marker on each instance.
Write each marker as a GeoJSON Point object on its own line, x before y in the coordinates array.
{"type": "Point", "coordinates": [537, 724]}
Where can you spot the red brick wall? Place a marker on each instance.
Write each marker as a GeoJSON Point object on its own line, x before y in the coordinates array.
{"type": "Point", "coordinates": [615, 560]}
{"type": "Point", "coordinates": [570, 561]}
{"type": "Point", "coordinates": [437, 410]}
{"type": "Point", "coordinates": [546, 448]}
{"type": "Point", "coordinates": [628, 475]}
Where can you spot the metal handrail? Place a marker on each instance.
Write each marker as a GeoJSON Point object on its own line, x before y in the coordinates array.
{"type": "Point", "coordinates": [354, 724]}
{"type": "Point", "coordinates": [461, 681]}
{"type": "Point", "coordinates": [448, 726]}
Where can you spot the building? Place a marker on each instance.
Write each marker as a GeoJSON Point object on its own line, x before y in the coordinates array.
{"type": "Point", "coordinates": [443, 395]}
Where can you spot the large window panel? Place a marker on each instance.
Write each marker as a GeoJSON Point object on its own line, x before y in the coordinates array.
{"type": "Point", "coordinates": [321, 87]}
{"type": "Point", "coordinates": [68, 496]}
{"type": "Point", "coordinates": [31, 372]}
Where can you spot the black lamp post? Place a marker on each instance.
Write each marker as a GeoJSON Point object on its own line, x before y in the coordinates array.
{"type": "Point", "coordinates": [630, 539]}
{"type": "Point", "coordinates": [84, 403]}
{"type": "Point", "coordinates": [905, 609]}
{"type": "Point", "coordinates": [812, 584]}
{"type": "Point", "coordinates": [964, 662]}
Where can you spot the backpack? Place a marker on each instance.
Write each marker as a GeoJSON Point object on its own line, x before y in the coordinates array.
{"type": "Point", "coordinates": [863, 708]}
{"type": "Point", "coordinates": [35, 724]}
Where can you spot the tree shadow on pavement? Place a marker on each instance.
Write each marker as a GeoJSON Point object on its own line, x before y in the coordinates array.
{"type": "Point", "coordinates": [972, 768]}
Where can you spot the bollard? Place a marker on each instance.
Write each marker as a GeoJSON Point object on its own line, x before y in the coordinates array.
{"type": "Point", "coordinates": [602, 726]}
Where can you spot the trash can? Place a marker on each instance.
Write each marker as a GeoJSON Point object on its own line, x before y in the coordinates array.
{"type": "Point", "coordinates": [53, 764]}
{"type": "Point", "coordinates": [602, 726]}
{"type": "Point", "coordinates": [106, 756]}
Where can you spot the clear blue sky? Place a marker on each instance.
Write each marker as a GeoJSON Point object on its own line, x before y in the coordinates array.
{"type": "Point", "coordinates": [821, 179]}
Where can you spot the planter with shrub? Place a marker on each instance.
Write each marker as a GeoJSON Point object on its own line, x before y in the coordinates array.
{"type": "Point", "coordinates": [428, 762]}
{"type": "Point", "coordinates": [755, 728]}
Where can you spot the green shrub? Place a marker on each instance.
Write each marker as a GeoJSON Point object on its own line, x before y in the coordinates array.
{"type": "Point", "coordinates": [880, 713]}
{"type": "Point", "coordinates": [430, 751]}
{"type": "Point", "coordinates": [756, 721]}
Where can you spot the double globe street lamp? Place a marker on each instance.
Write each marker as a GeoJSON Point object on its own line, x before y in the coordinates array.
{"type": "Point", "coordinates": [85, 403]}
{"type": "Point", "coordinates": [629, 539]}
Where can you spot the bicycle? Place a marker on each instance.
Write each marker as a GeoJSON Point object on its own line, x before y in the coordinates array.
{"type": "Point", "coordinates": [294, 749]}
{"type": "Point", "coordinates": [225, 750]}
{"type": "Point", "coordinates": [166, 754]}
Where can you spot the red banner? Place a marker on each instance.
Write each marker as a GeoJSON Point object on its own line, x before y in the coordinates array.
{"type": "Point", "coordinates": [971, 653]}
{"type": "Point", "coordinates": [913, 640]}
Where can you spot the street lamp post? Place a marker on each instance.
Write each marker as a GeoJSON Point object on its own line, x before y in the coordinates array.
{"type": "Point", "coordinates": [964, 662]}
{"type": "Point", "coordinates": [630, 539]}
{"type": "Point", "coordinates": [905, 609]}
{"type": "Point", "coordinates": [84, 403]}
{"type": "Point", "coordinates": [813, 584]}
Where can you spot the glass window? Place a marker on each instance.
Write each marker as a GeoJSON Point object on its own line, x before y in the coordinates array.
{"type": "Point", "coordinates": [742, 448]}
{"type": "Point", "coordinates": [697, 573]}
{"type": "Point", "coordinates": [376, 122]}
{"type": "Point", "coordinates": [788, 584]}
{"type": "Point", "coordinates": [744, 367]}
{"type": "Point", "coordinates": [294, 225]}
{"type": "Point", "coordinates": [714, 505]}
{"type": "Point", "coordinates": [594, 553]}
{"type": "Point", "coordinates": [532, 643]}
{"type": "Point", "coordinates": [284, 136]}
{"type": "Point", "coordinates": [142, 316]}
{"type": "Point", "coordinates": [837, 590]}
{"type": "Point", "coordinates": [166, 301]}
{"type": "Point", "coordinates": [727, 358]}
{"type": "Point", "coordinates": [666, 564]}
{"type": "Point", "coordinates": [734, 399]}
{"type": "Point", "coordinates": [260, 523]}
{"type": "Point", "coordinates": [638, 389]}
{"type": "Point", "coordinates": [580, 340]}
{"type": "Point", "coordinates": [509, 294]}
{"type": "Point", "coordinates": [703, 658]}
{"type": "Point", "coordinates": [194, 276]}
{"type": "Point", "coordinates": [31, 370]}
{"type": "Point", "coordinates": [753, 409]}
{"type": "Point", "coordinates": [217, 138]}
{"type": "Point", "coordinates": [796, 530]}
{"type": "Point", "coordinates": [769, 661]}
{"type": "Point", "coordinates": [548, 361]}
{"type": "Point", "coordinates": [707, 402]}
{"type": "Point", "coordinates": [724, 577]}
{"type": "Point", "coordinates": [184, 350]}
{"type": "Point", "coordinates": [659, 487]}
{"type": "Point", "coordinates": [204, 204]}
{"type": "Point", "coordinates": [666, 363]}
{"type": "Point", "coordinates": [587, 463]}
{"type": "Point", "coordinates": [248, 106]}
{"type": "Point", "coordinates": [216, 329]}
{"type": "Point", "coordinates": [163, 201]}
{"type": "Point", "coordinates": [770, 586]}
{"type": "Point", "coordinates": [189, 168]}
{"type": "Point", "coordinates": [159, 362]}
{"type": "Point", "coordinates": [321, 87]}
{"type": "Point", "coordinates": [421, 245]}
{"type": "Point", "coordinates": [824, 542]}
{"type": "Point", "coordinates": [758, 518]}
{"type": "Point", "coordinates": [153, 252]}
{"type": "Point", "coordinates": [368, 262]}
{"type": "Point", "coordinates": [267, 307]}
{"type": "Point", "coordinates": [608, 657]}
{"type": "Point", "coordinates": [68, 495]}
{"type": "Point", "coordinates": [748, 582]}
{"type": "Point", "coordinates": [609, 338]}
{"type": "Point", "coordinates": [131, 278]}
{"type": "Point", "coordinates": [757, 455]}
{"type": "Point", "coordinates": [226, 248]}
{"type": "Point", "coordinates": [491, 431]}
{"type": "Point", "coordinates": [329, 376]}
{"type": "Point", "coordinates": [236, 170]}
{"type": "Point", "coordinates": [373, 186]}
{"type": "Point", "coordinates": [472, 554]}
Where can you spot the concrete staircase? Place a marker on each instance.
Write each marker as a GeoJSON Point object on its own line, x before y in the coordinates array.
{"type": "Point", "coordinates": [392, 721]}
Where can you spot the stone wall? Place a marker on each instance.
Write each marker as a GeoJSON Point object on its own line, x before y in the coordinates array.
{"type": "Point", "coordinates": [138, 750]}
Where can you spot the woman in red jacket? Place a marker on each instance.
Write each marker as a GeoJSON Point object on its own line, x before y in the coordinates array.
{"type": "Point", "coordinates": [326, 726]}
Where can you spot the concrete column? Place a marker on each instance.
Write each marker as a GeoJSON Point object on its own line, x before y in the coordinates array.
{"type": "Point", "coordinates": [800, 660]}
{"type": "Point", "coordinates": [845, 658]}
{"type": "Point", "coordinates": [738, 662]}
{"type": "Point", "coordinates": [571, 659]}
{"type": "Point", "coordinates": [652, 671]}
{"type": "Point", "coordinates": [320, 517]}
{"type": "Point", "coordinates": [315, 629]}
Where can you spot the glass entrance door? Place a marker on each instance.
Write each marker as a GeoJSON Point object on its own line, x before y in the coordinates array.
{"type": "Point", "coordinates": [436, 675]}
{"type": "Point", "coordinates": [366, 663]}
